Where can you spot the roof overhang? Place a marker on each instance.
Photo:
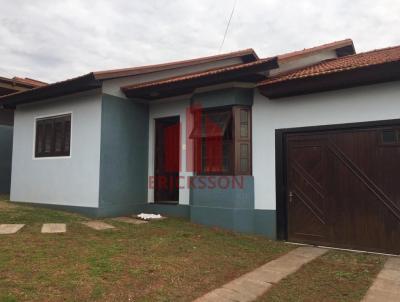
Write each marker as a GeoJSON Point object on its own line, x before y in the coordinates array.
{"type": "Point", "coordinates": [83, 83]}
{"type": "Point", "coordinates": [94, 79]}
{"type": "Point", "coordinates": [246, 56]}
{"type": "Point", "coordinates": [342, 48]}
{"type": "Point", "coordinates": [249, 72]}
{"type": "Point", "coordinates": [367, 75]}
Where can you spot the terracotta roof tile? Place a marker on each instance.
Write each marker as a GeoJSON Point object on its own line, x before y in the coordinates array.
{"type": "Point", "coordinates": [24, 82]}
{"type": "Point", "coordinates": [195, 75]}
{"type": "Point", "coordinates": [370, 58]}
{"type": "Point", "coordinates": [300, 53]}
{"type": "Point", "coordinates": [28, 81]}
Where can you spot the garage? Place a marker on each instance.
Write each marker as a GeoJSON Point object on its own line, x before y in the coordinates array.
{"type": "Point", "coordinates": [342, 186]}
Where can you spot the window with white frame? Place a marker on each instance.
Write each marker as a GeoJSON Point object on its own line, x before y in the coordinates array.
{"type": "Point", "coordinates": [53, 136]}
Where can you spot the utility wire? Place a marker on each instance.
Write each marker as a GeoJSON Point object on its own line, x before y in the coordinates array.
{"type": "Point", "coordinates": [227, 26]}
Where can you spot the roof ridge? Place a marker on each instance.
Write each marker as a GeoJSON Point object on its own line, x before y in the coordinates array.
{"type": "Point", "coordinates": [29, 81]}
{"type": "Point", "coordinates": [370, 51]}
{"type": "Point", "coordinates": [296, 53]}
{"type": "Point", "coordinates": [248, 51]}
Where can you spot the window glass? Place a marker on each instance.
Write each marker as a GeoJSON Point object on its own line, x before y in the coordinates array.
{"type": "Point", "coordinates": [217, 133]}
{"type": "Point", "coordinates": [388, 136]}
{"type": "Point", "coordinates": [244, 123]}
{"type": "Point", "coordinates": [53, 136]}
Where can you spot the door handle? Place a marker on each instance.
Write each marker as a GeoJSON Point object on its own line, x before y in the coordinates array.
{"type": "Point", "coordinates": [290, 197]}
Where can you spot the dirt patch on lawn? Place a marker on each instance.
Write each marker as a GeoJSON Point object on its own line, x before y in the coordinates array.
{"type": "Point", "coordinates": [6, 205]}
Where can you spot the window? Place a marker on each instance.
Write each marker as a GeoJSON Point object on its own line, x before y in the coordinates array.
{"type": "Point", "coordinates": [53, 136]}
{"type": "Point", "coordinates": [222, 141]}
{"type": "Point", "coordinates": [390, 137]}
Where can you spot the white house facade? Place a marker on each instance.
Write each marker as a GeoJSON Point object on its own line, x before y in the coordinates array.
{"type": "Point", "coordinates": [302, 147]}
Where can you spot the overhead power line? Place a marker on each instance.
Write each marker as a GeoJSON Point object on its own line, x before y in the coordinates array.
{"type": "Point", "coordinates": [227, 26]}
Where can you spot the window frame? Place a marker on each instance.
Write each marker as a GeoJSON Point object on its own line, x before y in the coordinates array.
{"type": "Point", "coordinates": [240, 140]}
{"type": "Point", "coordinates": [236, 141]}
{"type": "Point", "coordinates": [52, 155]}
{"type": "Point", "coordinates": [395, 143]}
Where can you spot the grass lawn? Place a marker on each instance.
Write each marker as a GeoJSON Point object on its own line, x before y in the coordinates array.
{"type": "Point", "coordinates": [168, 260]}
{"type": "Point", "coordinates": [335, 276]}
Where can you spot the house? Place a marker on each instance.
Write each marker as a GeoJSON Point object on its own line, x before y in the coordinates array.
{"type": "Point", "coordinates": [303, 146]}
{"type": "Point", "coordinates": [8, 86]}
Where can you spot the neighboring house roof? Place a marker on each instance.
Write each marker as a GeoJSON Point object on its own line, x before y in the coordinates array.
{"type": "Point", "coordinates": [17, 84]}
{"type": "Point", "coordinates": [360, 69]}
{"type": "Point", "coordinates": [29, 82]}
{"type": "Point", "coordinates": [173, 86]}
{"type": "Point", "coordinates": [342, 48]}
{"type": "Point", "coordinates": [247, 55]}
{"type": "Point", "coordinates": [94, 79]}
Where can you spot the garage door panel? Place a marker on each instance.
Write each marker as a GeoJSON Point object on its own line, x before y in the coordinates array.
{"type": "Point", "coordinates": [356, 222]}
{"type": "Point", "coordinates": [357, 171]}
{"type": "Point", "coordinates": [306, 198]}
{"type": "Point", "coordinates": [379, 162]}
{"type": "Point", "coordinates": [309, 191]}
{"type": "Point", "coordinates": [345, 188]}
{"type": "Point", "coordinates": [306, 158]}
{"type": "Point", "coordinates": [313, 229]}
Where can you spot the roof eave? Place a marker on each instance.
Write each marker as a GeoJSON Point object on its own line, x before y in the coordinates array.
{"type": "Point", "coordinates": [342, 48]}
{"type": "Point", "coordinates": [189, 85]}
{"type": "Point", "coordinates": [83, 83]}
{"type": "Point", "coordinates": [367, 75]}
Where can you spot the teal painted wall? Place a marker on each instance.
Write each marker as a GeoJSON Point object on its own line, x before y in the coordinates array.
{"type": "Point", "coordinates": [123, 156]}
{"type": "Point", "coordinates": [223, 191]}
{"type": "Point", "coordinates": [169, 210]}
{"type": "Point", "coordinates": [124, 172]}
{"type": "Point", "coordinates": [230, 208]}
{"type": "Point", "coordinates": [6, 141]}
{"type": "Point", "coordinates": [262, 222]}
{"type": "Point", "coordinates": [224, 97]}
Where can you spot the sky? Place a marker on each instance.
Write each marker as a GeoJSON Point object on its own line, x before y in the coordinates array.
{"type": "Point", "coordinates": [53, 40]}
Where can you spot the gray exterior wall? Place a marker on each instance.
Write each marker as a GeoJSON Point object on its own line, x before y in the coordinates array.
{"type": "Point", "coordinates": [6, 138]}
{"type": "Point", "coordinates": [68, 181]}
{"type": "Point", "coordinates": [123, 156]}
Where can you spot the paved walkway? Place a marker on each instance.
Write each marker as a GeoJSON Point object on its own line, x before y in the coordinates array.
{"type": "Point", "coordinates": [99, 225]}
{"type": "Point", "coordinates": [6, 229]}
{"type": "Point", "coordinates": [252, 285]}
{"type": "Point", "coordinates": [54, 228]}
{"type": "Point", "coordinates": [130, 220]}
{"type": "Point", "coordinates": [386, 286]}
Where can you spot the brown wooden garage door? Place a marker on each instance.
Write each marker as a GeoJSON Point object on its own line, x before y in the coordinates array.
{"type": "Point", "coordinates": [343, 188]}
